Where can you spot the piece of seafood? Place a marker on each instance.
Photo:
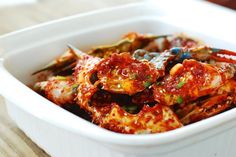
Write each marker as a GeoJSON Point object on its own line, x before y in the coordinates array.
{"type": "Point", "coordinates": [179, 40]}
{"type": "Point", "coordinates": [156, 119]}
{"type": "Point", "coordinates": [64, 62]}
{"type": "Point", "coordinates": [109, 114]}
{"type": "Point", "coordinates": [59, 89]}
{"type": "Point", "coordinates": [130, 42]}
{"type": "Point", "coordinates": [190, 80]}
{"type": "Point", "coordinates": [131, 87]}
{"type": "Point", "coordinates": [224, 99]}
{"type": "Point", "coordinates": [178, 54]}
{"type": "Point", "coordinates": [133, 41]}
{"type": "Point", "coordinates": [123, 74]}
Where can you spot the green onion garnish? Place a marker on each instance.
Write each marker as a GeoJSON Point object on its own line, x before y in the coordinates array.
{"type": "Point", "coordinates": [179, 100]}
{"type": "Point", "coordinates": [62, 78]}
{"type": "Point", "coordinates": [134, 76]}
{"type": "Point", "coordinates": [159, 83]}
{"type": "Point", "coordinates": [147, 84]}
{"type": "Point", "coordinates": [74, 88]}
{"type": "Point", "coordinates": [180, 84]}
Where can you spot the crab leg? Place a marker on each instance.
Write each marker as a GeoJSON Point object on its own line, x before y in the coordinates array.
{"type": "Point", "coordinates": [64, 62]}
{"type": "Point", "coordinates": [224, 56]}
{"type": "Point", "coordinates": [202, 53]}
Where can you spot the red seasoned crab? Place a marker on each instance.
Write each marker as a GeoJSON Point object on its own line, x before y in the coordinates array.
{"type": "Point", "coordinates": [140, 91]}
{"type": "Point", "coordinates": [190, 80]}
{"type": "Point", "coordinates": [123, 74]}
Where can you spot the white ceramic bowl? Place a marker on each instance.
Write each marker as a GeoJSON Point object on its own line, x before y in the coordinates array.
{"type": "Point", "coordinates": [62, 134]}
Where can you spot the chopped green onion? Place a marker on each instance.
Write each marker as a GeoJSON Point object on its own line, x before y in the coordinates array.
{"type": "Point", "coordinates": [159, 83]}
{"type": "Point", "coordinates": [180, 84]}
{"type": "Point", "coordinates": [61, 78]}
{"type": "Point", "coordinates": [74, 88]}
{"type": "Point", "coordinates": [147, 84]}
{"type": "Point", "coordinates": [149, 76]}
{"type": "Point", "coordinates": [180, 100]}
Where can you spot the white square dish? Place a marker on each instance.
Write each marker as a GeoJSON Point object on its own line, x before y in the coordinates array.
{"type": "Point", "coordinates": [62, 134]}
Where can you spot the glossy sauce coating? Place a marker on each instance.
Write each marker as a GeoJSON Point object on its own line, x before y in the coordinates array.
{"type": "Point", "coordinates": [189, 81]}
{"type": "Point", "coordinates": [127, 88]}
{"type": "Point", "coordinates": [122, 74]}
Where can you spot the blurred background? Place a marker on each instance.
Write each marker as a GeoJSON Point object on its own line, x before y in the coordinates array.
{"type": "Point", "coordinates": [18, 14]}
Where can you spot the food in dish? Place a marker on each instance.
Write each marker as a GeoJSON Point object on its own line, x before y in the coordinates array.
{"type": "Point", "coordinates": [143, 83]}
